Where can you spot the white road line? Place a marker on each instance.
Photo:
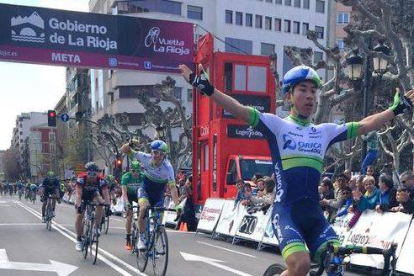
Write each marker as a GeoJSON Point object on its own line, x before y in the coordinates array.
{"type": "Point", "coordinates": [21, 224]}
{"type": "Point", "coordinates": [223, 248]}
{"type": "Point", "coordinates": [105, 260]}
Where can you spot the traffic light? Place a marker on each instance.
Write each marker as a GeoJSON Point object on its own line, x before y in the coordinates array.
{"type": "Point", "coordinates": [51, 118]}
{"type": "Point", "coordinates": [118, 163]}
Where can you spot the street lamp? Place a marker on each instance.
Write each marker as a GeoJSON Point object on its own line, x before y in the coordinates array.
{"type": "Point", "coordinates": [159, 132]}
{"type": "Point", "coordinates": [354, 65]}
{"type": "Point", "coordinates": [380, 64]}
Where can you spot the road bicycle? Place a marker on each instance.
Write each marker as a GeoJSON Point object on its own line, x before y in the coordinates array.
{"type": "Point", "coordinates": [105, 221]}
{"type": "Point", "coordinates": [337, 257]}
{"type": "Point", "coordinates": [49, 213]}
{"type": "Point", "coordinates": [156, 242]}
{"type": "Point", "coordinates": [90, 237]}
{"type": "Point", "coordinates": [134, 232]}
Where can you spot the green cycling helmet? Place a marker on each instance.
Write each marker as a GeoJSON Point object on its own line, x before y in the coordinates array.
{"type": "Point", "coordinates": [110, 177]}
{"type": "Point", "coordinates": [136, 166]}
{"type": "Point", "coordinates": [160, 145]}
{"type": "Point", "coordinates": [298, 74]}
{"type": "Point", "coordinates": [51, 174]}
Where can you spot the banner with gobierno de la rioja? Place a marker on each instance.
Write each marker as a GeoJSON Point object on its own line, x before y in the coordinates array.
{"type": "Point", "coordinates": [90, 40]}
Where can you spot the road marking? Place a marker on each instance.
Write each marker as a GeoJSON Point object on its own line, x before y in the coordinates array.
{"type": "Point", "coordinates": [61, 269]}
{"type": "Point", "coordinates": [213, 262]}
{"type": "Point", "coordinates": [70, 235]}
{"type": "Point", "coordinates": [223, 248]}
{"type": "Point", "coordinates": [21, 224]}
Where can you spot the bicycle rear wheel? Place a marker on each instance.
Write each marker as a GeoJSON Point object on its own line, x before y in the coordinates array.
{"type": "Point", "coordinates": [160, 252]}
{"type": "Point", "coordinates": [94, 245]}
{"type": "Point", "coordinates": [274, 270]}
{"type": "Point", "coordinates": [49, 214]}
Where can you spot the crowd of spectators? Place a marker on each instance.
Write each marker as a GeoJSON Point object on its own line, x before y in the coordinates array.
{"type": "Point", "coordinates": [357, 193]}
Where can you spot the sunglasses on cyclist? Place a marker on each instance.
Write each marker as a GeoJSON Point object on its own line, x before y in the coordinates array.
{"type": "Point", "coordinates": [157, 152]}
{"type": "Point", "coordinates": [91, 173]}
{"type": "Point", "coordinates": [134, 171]}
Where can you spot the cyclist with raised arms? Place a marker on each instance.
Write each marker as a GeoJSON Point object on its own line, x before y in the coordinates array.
{"type": "Point", "coordinates": [158, 172]}
{"type": "Point", "coordinates": [131, 182]}
{"type": "Point", "coordinates": [297, 148]}
{"type": "Point", "coordinates": [90, 186]}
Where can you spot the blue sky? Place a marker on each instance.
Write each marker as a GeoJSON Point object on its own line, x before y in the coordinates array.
{"type": "Point", "coordinates": [26, 87]}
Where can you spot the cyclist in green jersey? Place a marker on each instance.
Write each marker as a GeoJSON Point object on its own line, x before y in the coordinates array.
{"type": "Point", "coordinates": [298, 148]}
{"type": "Point", "coordinates": [131, 182]}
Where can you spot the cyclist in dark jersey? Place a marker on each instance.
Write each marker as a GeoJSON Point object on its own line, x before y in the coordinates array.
{"type": "Point", "coordinates": [298, 148]}
{"type": "Point", "coordinates": [50, 186]}
{"type": "Point", "coordinates": [131, 182]}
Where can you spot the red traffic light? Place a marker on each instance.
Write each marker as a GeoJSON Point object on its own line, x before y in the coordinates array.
{"type": "Point", "coordinates": [52, 114]}
{"type": "Point", "coordinates": [119, 162]}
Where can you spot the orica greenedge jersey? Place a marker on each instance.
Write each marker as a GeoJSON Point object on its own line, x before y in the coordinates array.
{"type": "Point", "coordinates": [298, 149]}
{"type": "Point", "coordinates": [155, 177]}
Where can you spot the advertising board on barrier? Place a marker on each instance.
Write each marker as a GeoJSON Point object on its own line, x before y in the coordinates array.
{"type": "Point", "coordinates": [226, 224]}
{"type": "Point", "coordinates": [252, 226]}
{"type": "Point", "coordinates": [377, 230]}
{"type": "Point", "coordinates": [76, 39]}
{"type": "Point", "coordinates": [210, 214]}
{"type": "Point", "coordinates": [405, 261]}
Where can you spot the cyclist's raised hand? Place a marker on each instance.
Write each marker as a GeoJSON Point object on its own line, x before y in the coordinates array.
{"type": "Point", "coordinates": [200, 82]}
{"type": "Point", "coordinates": [402, 102]}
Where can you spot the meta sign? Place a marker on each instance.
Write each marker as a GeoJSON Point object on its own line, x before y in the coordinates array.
{"type": "Point", "coordinates": [75, 39]}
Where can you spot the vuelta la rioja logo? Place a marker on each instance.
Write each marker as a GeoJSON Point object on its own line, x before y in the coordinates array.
{"type": "Point", "coordinates": [161, 44]}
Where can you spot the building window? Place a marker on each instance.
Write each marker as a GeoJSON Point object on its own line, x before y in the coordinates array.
{"type": "Point", "coordinates": [286, 28]}
{"type": "Point", "coordinates": [177, 93]}
{"type": "Point", "coordinates": [305, 28]}
{"type": "Point", "coordinates": [278, 24]}
{"type": "Point", "coordinates": [258, 21]}
{"type": "Point", "coordinates": [288, 2]}
{"type": "Point", "coordinates": [306, 4]}
{"type": "Point", "coordinates": [341, 44]}
{"type": "Point", "coordinates": [249, 20]}
{"type": "Point", "coordinates": [279, 2]}
{"type": "Point", "coordinates": [229, 17]}
{"type": "Point", "coordinates": [296, 3]}
{"type": "Point", "coordinates": [234, 45]}
{"type": "Point", "coordinates": [319, 31]}
{"type": "Point", "coordinates": [135, 119]}
{"type": "Point", "coordinates": [317, 56]}
{"type": "Point", "coordinates": [343, 18]}
{"type": "Point", "coordinates": [296, 27]}
{"type": "Point", "coordinates": [267, 49]}
{"type": "Point", "coordinates": [189, 95]}
{"type": "Point", "coordinates": [268, 23]}
{"type": "Point", "coordinates": [195, 12]}
{"type": "Point", "coordinates": [239, 18]}
{"type": "Point", "coordinates": [320, 6]}
{"type": "Point", "coordinates": [269, 1]}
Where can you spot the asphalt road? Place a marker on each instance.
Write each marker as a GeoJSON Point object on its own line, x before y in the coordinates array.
{"type": "Point", "coordinates": [27, 248]}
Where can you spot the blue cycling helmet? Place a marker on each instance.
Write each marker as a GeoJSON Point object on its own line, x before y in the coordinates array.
{"type": "Point", "coordinates": [298, 74]}
{"type": "Point", "coordinates": [159, 145]}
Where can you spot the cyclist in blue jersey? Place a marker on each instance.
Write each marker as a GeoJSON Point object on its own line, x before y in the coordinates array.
{"type": "Point", "coordinates": [158, 172]}
{"type": "Point", "coordinates": [50, 186]}
{"type": "Point", "coordinates": [298, 148]}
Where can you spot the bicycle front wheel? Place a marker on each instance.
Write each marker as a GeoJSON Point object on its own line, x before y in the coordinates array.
{"type": "Point", "coordinates": [142, 255]}
{"type": "Point", "coordinates": [274, 270]}
{"type": "Point", "coordinates": [94, 245]}
{"type": "Point", "coordinates": [106, 225]}
{"type": "Point", "coordinates": [160, 252]}
{"type": "Point", "coordinates": [86, 241]}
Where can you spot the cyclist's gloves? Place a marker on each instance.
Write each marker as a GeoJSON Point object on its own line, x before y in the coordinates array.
{"type": "Point", "coordinates": [201, 83]}
{"type": "Point", "coordinates": [401, 104]}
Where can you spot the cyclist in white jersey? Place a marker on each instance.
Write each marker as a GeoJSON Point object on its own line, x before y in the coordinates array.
{"type": "Point", "coordinates": [298, 148]}
{"type": "Point", "coordinates": [158, 172]}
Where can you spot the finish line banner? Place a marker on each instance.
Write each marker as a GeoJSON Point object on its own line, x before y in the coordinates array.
{"type": "Point", "coordinates": [76, 39]}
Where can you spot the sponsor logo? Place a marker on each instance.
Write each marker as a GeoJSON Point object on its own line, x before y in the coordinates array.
{"type": "Point", "coordinates": [147, 64]}
{"type": "Point", "coordinates": [276, 226]}
{"type": "Point", "coordinates": [28, 29]}
{"type": "Point", "coordinates": [279, 193]}
{"type": "Point", "coordinates": [249, 132]}
{"type": "Point", "coordinates": [295, 134]}
{"type": "Point", "coordinates": [310, 147]}
{"type": "Point", "coordinates": [163, 45]}
{"type": "Point", "coordinates": [113, 62]}
{"type": "Point", "coordinates": [288, 142]}
{"type": "Point", "coordinates": [314, 131]}
{"type": "Point", "coordinates": [248, 225]}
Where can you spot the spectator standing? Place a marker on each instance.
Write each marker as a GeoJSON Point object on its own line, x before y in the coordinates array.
{"type": "Point", "coordinates": [406, 204]}
{"type": "Point", "coordinates": [388, 194]}
{"type": "Point", "coordinates": [372, 150]}
{"type": "Point", "coordinates": [347, 195]}
{"type": "Point", "coordinates": [240, 191]}
{"type": "Point", "coordinates": [407, 181]}
{"type": "Point", "coordinates": [336, 203]}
